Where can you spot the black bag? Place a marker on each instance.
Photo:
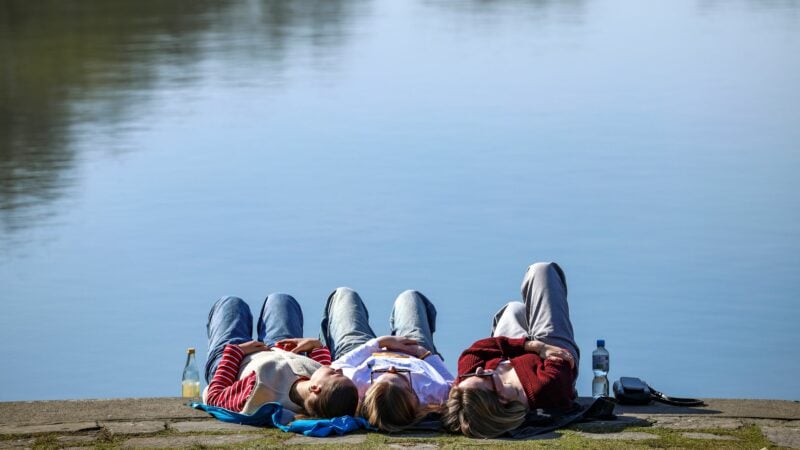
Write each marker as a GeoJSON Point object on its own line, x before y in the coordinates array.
{"type": "Point", "coordinates": [634, 391]}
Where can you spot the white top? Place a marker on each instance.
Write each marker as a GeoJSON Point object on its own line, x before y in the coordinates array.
{"type": "Point", "coordinates": [276, 371]}
{"type": "Point", "coordinates": [429, 377]}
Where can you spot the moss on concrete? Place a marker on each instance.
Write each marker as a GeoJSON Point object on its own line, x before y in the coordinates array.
{"type": "Point", "coordinates": [109, 424]}
{"type": "Point", "coordinates": [749, 437]}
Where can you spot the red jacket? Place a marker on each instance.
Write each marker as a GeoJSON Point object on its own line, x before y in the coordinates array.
{"type": "Point", "coordinates": [547, 383]}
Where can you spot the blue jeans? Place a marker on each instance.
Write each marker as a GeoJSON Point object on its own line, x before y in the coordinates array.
{"type": "Point", "coordinates": [345, 321]}
{"type": "Point", "coordinates": [230, 322]}
{"type": "Point", "coordinates": [544, 315]}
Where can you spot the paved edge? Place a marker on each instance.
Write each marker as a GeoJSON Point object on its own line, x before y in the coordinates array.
{"type": "Point", "coordinates": [176, 409]}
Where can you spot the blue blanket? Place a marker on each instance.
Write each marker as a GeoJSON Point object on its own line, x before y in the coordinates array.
{"type": "Point", "coordinates": [273, 415]}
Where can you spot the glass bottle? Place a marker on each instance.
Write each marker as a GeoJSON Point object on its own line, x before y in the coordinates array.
{"type": "Point", "coordinates": [190, 387]}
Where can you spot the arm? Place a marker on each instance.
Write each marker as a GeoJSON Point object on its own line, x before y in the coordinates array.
{"type": "Point", "coordinates": [224, 390]}
{"type": "Point", "coordinates": [313, 348]}
{"type": "Point", "coordinates": [321, 355]}
{"type": "Point", "coordinates": [358, 355]}
{"type": "Point", "coordinates": [548, 383]}
{"type": "Point", "coordinates": [478, 354]}
{"type": "Point", "coordinates": [549, 352]}
{"type": "Point", "coordinates": [488, 349]}
{"type": "Point", "coordinates": [534, 347]}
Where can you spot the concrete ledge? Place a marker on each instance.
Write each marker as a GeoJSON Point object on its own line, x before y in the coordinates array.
{"type": "Point", "coordinates": [176, 409]}
{"type": "Point", "coordinates": [755, 409]}
{"type": "Point", "coordinates": [69, 427]}
{"type": "Point", "coordinates": [170, 422]}
{"type": "Point", "coordinates": [63, 411]}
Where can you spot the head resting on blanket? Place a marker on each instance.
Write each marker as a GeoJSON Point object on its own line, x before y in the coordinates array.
{"type": "Point", "coordinates": [331, 394]}
{"type": "Point", "coordinates": [391, 405]}
{"type": "Point", "coordinates": [480, 413]}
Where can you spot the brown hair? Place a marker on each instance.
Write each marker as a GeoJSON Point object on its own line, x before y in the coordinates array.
{"type": "Point", "coordinates": [392, 408]}
{"type": "Point", "coordinates": [478, 413]}
{"type": "Point", "coordinates": [337, 397]}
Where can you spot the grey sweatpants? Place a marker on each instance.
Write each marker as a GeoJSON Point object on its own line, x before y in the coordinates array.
{"type": "Point", "coordinates": [544, 315]}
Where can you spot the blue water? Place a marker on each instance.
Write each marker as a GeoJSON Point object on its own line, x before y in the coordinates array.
{"type": "Point", "coordinates": [154, 157]}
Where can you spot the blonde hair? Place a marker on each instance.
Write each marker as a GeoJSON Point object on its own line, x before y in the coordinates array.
{"type": "Point", "coordinates": [478, 413]}
{"type": "Point", "coordinates": [392, 408]}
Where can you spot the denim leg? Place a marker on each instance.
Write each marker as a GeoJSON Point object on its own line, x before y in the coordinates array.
{"type": "Point", "coordinates": [414, 316]}
{"type": "Point", "coordinates": [280, 318]}
{"type": "Point", "coordinates": [229, 322]}
{"type": "Point", "coordinates": [511, 321]}
{"type": "Point", "coordinates": [544, 290]}
{"type": "Point", "coordinates": [345, 322]}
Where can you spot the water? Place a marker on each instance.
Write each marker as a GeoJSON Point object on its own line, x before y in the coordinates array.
{"type": "Point", "coordinates": [599, 386]}
{"type": "Point", "coordinates": [155, 156]}
{"type": "Point", "coordinates": [600, 367]}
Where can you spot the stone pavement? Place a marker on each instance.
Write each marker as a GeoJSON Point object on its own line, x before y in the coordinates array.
{"type": "Point", "coordinates": [168, 422]}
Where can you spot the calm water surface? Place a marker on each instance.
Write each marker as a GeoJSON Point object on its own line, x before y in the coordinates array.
{"type": "Point", "coordinates": [155, 156]}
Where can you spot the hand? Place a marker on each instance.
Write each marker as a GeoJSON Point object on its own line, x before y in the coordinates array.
{"type": "Point", "coordinates": [399, 344]}
{"type": "Point", "coordinates": [299, 345]}
{"type": "Point", "coordinates": [421, 351]}
{"type": "Point", "coordinates": [557, 354]}
{"type": "Point", "coordinates": [253, 347]}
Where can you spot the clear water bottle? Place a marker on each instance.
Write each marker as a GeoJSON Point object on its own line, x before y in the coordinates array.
{"type": "Point", "coordinates": [600, 368]}
{"type": "Point", "coordinates": [190, 387]}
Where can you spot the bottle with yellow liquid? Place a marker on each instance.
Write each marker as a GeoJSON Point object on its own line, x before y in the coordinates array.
{"type": "Point", "coordinates": [191, 377]}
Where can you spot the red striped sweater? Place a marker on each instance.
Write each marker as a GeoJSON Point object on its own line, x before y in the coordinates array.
{"type": "Point", "coordinates": [228, 392]}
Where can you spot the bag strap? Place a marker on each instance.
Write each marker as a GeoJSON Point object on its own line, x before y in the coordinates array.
{"type": "Point", "coordinates": [602, 408]}
{"type": "Point", "coordinates": [675, 401]}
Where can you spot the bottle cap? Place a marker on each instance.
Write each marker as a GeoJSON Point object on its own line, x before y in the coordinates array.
{"type": "Point", "coordinates": [191, 350]}
{"type": "Point", "coordinates": [601, 342]}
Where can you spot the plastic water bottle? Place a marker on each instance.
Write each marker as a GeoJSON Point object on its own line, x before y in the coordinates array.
{"type": "Point", "coordinates": [190, 387]}
{"type": "Point", "coordinates": [600, 359]}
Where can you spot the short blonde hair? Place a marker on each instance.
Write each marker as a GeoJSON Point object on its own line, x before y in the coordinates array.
{"type": "Point", "coordinates": [480, 414]}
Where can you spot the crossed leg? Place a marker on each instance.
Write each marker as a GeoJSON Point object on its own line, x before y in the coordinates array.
{"type": "Point", "coordinates": [544, 315]}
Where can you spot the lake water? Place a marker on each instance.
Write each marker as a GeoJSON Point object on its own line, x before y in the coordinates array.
{"type": "Point", "coordinates": [155, 156]}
